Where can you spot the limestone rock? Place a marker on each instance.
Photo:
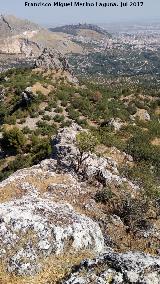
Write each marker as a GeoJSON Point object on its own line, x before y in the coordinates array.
{"type": "Point", "coordinates": [142, 114]}
{"type": "Point", "coordinates": [118, 268]}
{"type": "Point", "coordinates": [52, 59]}
{"type": "Point", "coordinates": [65, 152]}
{"type": "Point", "coordinates": [116, 124]}
{"type": "Point", "coordinates": [46, 227]}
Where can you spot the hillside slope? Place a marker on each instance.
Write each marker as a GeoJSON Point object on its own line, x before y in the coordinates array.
{"type": "Point", "coordinates": [51, 220]}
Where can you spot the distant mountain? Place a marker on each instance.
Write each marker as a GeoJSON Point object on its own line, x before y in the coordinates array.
{"type": "Point", "coordinates": [22, 41]}
{"type": "Point", "coordinates": [76, 29]}
{"type": "Point", "coordinates": [10, 25]}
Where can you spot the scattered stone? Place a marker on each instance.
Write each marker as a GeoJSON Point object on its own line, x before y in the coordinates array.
{"type": "Point", "coordinates": [116, 123]}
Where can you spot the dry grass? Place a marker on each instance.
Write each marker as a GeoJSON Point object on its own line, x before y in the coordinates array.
{"type": "Point", "coordinates": [54, 269]}
{"type": "Point", "coordinates": [131, 241]}
{"type": "Point", "coordinates": [13, 190]}
{"type": "Point", "coordinates": [156, 142]}
{"type": "Point", "coordinates": [113, 153]}
{"type": "Point", "coordinates": [9, 192]}
{"type": "Point", "coordinates": [38, 87]}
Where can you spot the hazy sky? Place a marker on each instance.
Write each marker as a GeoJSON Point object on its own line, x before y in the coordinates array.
{"type": "Point", "coordinates": [57, 15]}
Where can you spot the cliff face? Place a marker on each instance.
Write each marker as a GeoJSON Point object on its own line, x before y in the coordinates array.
{"type": "Point", "coordinates": [48, 211]}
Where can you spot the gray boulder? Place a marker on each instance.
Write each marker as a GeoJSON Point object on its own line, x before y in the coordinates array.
{"type": "Point", "coordinates": [117, 268]}
{"type": "Point", "coordinates": [34, 227]}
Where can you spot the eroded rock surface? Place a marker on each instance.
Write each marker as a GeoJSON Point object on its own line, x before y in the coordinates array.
{"type": "Point", "coordinates": [66, 153]}
{"type": "Point", "coordinates": [47, 211]}
{"type": "Point", "coordinates": [51, 59]}
{"type": "Point", "coordinates": [117, 268]}
{"type": "Point", "coordinates": [33, 227]}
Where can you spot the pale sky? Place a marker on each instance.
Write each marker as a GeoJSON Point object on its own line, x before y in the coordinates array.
{"type": "Point", "coordinates": [56, 15]}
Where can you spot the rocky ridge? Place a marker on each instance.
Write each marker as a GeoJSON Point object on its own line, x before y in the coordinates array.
{"type": "Point", "coordinates": [51, 59]}
{"type": "Point", "coordinates": [65, 151]}
{"type": "Point", "coordinates": [10, 25]}
{"type": "Point", "coordinates": [43, 216]}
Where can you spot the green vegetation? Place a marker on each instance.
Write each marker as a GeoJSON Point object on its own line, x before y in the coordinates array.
{"type": "Point", "coordinates": [13, 140]}
{"type": "Point", "coordinates": [91, 107]}
{"type": "Point", "coordinates": [86, 143]}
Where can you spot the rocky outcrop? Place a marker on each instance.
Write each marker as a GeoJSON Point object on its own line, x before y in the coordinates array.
{"type": "Point", "coordinates": [66, 154]}
{"type": "Point", "coordinates": [46, 227]}
{"type": "Point", "coordinates": [51, 214]}
{"type": "Point", "coordinates": [142, 114]}
{"type": "Point", "coordinates": [27, 96]}
{"type": "Point", "coordinates": [117, 268]}
{"type": "Point", "coordinates": [52, 59]}
{"type": "Point", "coordinates": [116, 123]}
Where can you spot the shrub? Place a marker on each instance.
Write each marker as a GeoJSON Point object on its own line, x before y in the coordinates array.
{"type": "Point", "coordinates": [41, 112]}
{"type": "Point", "coordinates": [22, 120]}
{"type": "Point", "coordinates": [10, 120]}
{"type": "Point", "coordinates": [21, 161]}
{"type": "Point", "coordinates": [104, 195]}
{"type": "Point", "coordinates": [132, 109]}
{"type": "Point", "coordinates": [58, 118]}
{"type": "Point", "coordinates": [48, 108]}
{"type": "Point", "coordinates": [13, 140]}
{"type": "Point", "coordinates": [46, 117]}
{"type": "Point", "coordinates": [133, 212]}
{"type": "Point", "coordinates": [96, 97]}
{"type": "Point", "coordinates": [59, 109]}
{"type": "Point", "coordinates": [86, 143]}
{"type": "Point", "coordinates": [26, 130]}
{"type": "Point", "coordinates": [41, 149]}
{"type": "Point", "coordinates": [34, 114]}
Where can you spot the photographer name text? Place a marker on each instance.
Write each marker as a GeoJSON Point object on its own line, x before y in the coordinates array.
{"type": "Point", "coordinates": [84, 4]}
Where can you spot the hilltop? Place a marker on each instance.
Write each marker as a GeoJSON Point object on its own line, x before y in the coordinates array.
{"type": "Point", "coordinates": [89, 30]}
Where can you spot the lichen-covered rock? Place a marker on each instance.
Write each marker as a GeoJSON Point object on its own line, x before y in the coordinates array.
{"type": "Point", "coordinates": [65, 152]}
{"type": "Point", "coordinates": [32, 227]}
{"type": "Point", "coordinates": [40, 219]}
{"type": "Point", "coordinates": [117, 268]}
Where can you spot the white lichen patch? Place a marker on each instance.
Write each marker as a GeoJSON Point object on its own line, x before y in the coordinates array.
{"type": "Point", "coordinates": [32, 227]}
